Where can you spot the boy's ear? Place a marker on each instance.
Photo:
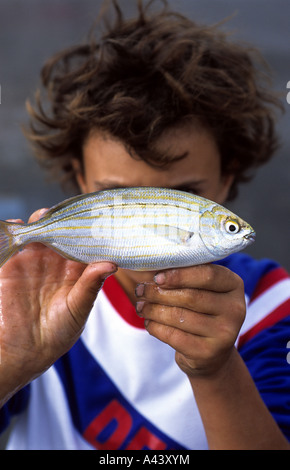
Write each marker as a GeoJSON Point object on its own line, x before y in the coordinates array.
{"type": "Point", "coordinates": [227, 181]}
{"type": "Point", "coordinates": [79, 174]}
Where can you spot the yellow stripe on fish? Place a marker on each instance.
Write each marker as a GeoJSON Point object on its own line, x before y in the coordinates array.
{"type": "Point", "coordinates": [137, 228]}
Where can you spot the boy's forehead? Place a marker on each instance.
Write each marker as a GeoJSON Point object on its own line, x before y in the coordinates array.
{"type": "Point", "coordinates": [111, 164]}
{"type": "Point", "coordinates": [182, 140]}
{"type": "Point", "coordinates": [176, 141]}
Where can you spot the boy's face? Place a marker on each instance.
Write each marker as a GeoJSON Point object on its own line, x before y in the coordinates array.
{"type": "Point", "coordinates": [107, 164]}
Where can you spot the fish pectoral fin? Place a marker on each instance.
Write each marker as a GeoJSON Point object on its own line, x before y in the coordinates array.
{"type": "Point", "coordinates": [175, 234]}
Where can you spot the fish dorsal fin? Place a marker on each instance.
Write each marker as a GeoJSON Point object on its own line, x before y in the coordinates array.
{"type": "Point", "coordinates": [174, 234]}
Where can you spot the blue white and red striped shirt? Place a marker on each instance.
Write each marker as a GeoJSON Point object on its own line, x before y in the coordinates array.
{"type": "Point", "coordinates": [120, 388]}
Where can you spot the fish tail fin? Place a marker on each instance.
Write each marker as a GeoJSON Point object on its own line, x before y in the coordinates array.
{"type": "Point", "coordinates": [8, 244]}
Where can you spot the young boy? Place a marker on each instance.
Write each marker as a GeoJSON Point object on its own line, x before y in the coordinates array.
{"type": "Point", "coordinates": [157, 101]}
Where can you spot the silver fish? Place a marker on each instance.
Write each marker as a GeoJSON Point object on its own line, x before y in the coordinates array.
{"type": "Point", "coordinates": [136, 228]}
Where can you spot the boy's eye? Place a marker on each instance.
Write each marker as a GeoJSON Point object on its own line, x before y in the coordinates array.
{"type": "Point", "coordinates": [188, 190]}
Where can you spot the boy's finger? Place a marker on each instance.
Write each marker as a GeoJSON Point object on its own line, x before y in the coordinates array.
{"type": "Point", "coordinates": [37, 215]}
{"type": "Point", "coordinates": [15, 221]}
{"type": "Point", "coordinates": [197, 300]}
{"type": "Point", "coordinates": [206, 276]}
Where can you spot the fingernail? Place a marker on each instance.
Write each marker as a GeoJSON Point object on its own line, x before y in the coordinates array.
{"type": "Point", "coordinates": [159, 278]}
{"type": "Point", "coordinates": [109, 272]}
{"type": "Point", "coordinates": [15, 221]}
{"type": "Point", "coordinates": [42, 212]}
{"type": "Point", "coordinates": [139, 291]}
{"type": "Point", "coordinates": [139, 306]}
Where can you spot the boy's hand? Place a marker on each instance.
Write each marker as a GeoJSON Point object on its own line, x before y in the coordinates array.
{"type": "Point", "coordinates": [45, 300]}
{"type": "Point", "coordinates": [198, 311]}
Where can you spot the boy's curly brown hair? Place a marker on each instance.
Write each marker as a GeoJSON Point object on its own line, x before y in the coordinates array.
{"type": "Point", "coordinates": [146, 74]}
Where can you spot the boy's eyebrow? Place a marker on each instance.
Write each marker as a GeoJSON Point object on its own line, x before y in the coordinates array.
{"type": "Point", "coordinates": [190, 184]}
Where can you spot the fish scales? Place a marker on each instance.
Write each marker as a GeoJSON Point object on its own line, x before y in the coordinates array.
{"type": "Point", "coordinates": [137, 228]}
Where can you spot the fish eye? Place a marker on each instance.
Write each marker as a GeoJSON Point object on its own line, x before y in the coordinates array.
{"type": "Point", "coordinates": [232, 227]}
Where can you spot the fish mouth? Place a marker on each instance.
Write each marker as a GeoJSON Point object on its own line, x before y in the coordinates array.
{"type": "Point", "coordinates": [251, 236]}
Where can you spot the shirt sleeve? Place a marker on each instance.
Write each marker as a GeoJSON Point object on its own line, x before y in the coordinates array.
{"type": "Point", "coordinates": [264, 343]}
{"type": "Point", "coordinates": [267, 356]}
{"type": "Point", "coordinates": [14, 406]}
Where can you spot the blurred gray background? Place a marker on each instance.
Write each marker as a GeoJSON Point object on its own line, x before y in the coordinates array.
{"type": "Point", "coordinates": [32, 30]}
